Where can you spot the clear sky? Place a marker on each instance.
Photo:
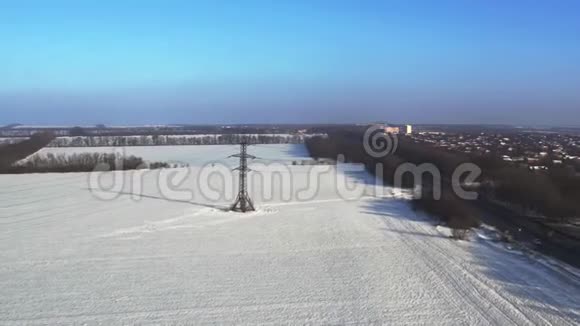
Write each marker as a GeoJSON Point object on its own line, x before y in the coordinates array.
{"type": "Point", "coordinates": [139, 62]}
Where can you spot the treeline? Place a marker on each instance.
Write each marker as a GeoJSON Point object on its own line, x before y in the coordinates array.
{"type": "Point", "coordinates": [82, 162]}
{"type": "Point", "coordinates": [454, 211]}
{"type": "Point", "coordinates": [553, 194]}
{"type": "Point", "coordinates": [11, 153]}
{"type": "Point", "coordinates": [166, 140]}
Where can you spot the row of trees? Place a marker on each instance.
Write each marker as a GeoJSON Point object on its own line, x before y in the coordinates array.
{"type": "Point", "coordinates": [161, 140]}
{"type": "Point", "coordinates": [11, 153]}
{"type": "Point", "coordinates": [82, 162]}
{"type": "Point", "coordinates": [455, 212]}
{"type": "Point", "coordinates": [553, 194]}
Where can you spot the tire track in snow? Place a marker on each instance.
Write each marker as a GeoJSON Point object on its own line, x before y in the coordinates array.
{"type": "Point", "coordinates": [446, 280]}
{"type": "Point", "coordinates": [475, 280]}
{"type": "Point", "coordinates": [477, 285]}
{"type": "Point", "coordinates": [504, 305]}
{"type": "Point", "coordinates": [449, 279]}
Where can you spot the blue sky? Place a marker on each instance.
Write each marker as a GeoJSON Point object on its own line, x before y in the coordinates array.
{"type": "Point", "coordinates": [73, 62]}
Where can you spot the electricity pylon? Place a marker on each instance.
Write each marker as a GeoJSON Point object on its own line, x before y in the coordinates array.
{"type": "Point", "coordinates": [243, 202]}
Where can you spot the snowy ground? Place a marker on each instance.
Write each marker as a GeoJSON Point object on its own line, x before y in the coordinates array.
{"type": "Point", "coordinates": [67, 257]}
{"type": "Point", "coordinates": [194, 155]}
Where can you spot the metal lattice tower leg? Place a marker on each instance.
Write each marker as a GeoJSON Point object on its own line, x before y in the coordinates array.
{"type": "Point", "coordinates": [243, 202]}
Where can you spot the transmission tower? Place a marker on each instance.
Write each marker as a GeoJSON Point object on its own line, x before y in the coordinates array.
{"type": "Point", "coordinates": [243, 202]}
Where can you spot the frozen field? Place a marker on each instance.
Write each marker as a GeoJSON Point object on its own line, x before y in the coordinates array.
{"type": "Point", "coordinates": [195, 155]}
{"type": "Point", "coordinates": [149, 255]}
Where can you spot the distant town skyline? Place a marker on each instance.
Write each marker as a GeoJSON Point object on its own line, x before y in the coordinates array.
{"type": "Point", "coordinates": [183, 62]}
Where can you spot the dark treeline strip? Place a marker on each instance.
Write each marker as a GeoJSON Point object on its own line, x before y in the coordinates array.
{"type": "Point", "coordinates": [457, 214]}
{"type": "Point", "coordinates": [186, 130]}
{"type": "Point", "coordinates": [11, 153]}
{"type": "Point", "coordinates": [168, 140]}
{"type": "Point", "coordinates": [550, 194]}
{"type": "Point", "coordinates": [554, 194]}
{"type": "Point", "coordinates": [83, 162]}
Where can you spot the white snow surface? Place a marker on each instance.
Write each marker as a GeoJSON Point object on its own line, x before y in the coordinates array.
{"type": "Point", "coordinates": [195, 155]}
{"type": "Point", "coordinates": [69, 258]}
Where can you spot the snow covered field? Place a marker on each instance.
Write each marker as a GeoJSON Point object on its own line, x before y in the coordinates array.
{"type": "Point", "coordinates": [194, 155]}
{"type": "Point", "coordinates": [68, 257]}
